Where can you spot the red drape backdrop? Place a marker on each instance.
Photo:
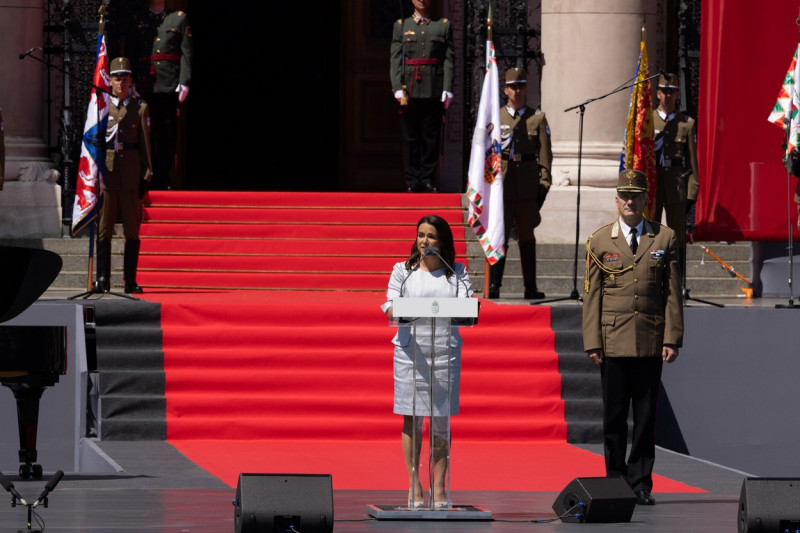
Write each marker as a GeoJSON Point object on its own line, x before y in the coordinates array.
{"type": "Point", "coordinates": [745, 49]}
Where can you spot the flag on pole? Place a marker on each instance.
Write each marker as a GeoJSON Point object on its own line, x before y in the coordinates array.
{"type": "Point", "coordinates": [485, 187]}
{"type": "Point", "coordinates": [90, 181]}
{"type": "Point", "coordinates": [638, 152]}
{"type": "Point", "coordinates": [785, 113]}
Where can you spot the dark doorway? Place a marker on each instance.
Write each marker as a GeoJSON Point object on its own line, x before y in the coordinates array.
{"type": "Point", "coordinates": [263, 112]}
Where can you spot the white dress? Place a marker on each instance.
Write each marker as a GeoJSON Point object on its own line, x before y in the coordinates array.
{"type": "Point", "coordinates": [447, 361]}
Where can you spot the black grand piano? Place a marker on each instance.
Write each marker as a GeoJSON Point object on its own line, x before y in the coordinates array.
{"type": "Point", "coordinates": [31, 357]}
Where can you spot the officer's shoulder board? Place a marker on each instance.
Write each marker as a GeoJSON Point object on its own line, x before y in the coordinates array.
{"type": "Point", "coordinates": [598, 230]}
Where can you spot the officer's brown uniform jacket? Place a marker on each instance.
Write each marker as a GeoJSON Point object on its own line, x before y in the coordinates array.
{"type": "Point", "coordinates": [632, 312]}
{"type": "Point", "coordinates": [129, 162]}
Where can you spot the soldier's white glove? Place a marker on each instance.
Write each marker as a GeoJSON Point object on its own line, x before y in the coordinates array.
{"type": "Point", "coordinates": [398, 95]}
{"type": "Point", "coordinates": [183, 92]}
{"type": "Point", "coordinates": [447, 97]}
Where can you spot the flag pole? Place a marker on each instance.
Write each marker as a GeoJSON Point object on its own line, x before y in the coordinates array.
{"type": "Point", "coordinates": [487, 268]}
{"type": "Point", "coordinates": [788, 165]}
{"type": "Point", "coordinates": [101, 29]}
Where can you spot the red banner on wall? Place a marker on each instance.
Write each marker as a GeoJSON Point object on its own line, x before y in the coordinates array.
{"type": "Point", "coordinates": [744, 54]}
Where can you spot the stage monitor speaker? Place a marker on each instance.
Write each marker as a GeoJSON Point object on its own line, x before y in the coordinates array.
{"type": "Point", "coordinates": [595, 499]}
{"type": "Point", "coordinates": [284, 503]}
{"type": "Point", "coordinates": [769, 504]}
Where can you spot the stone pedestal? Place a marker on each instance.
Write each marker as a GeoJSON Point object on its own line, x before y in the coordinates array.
{"type": "Point", "coordinates": [590, 48]}
{"type": "Point", "coordinates": [30, 202]}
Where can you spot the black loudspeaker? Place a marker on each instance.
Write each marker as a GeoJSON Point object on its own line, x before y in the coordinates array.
{"type": "Point", "coordinates": [595, 499]}
{"type": "Point", "coordinates": [769, 504]}
{"type": "Point", "coordinates": [283, 503]}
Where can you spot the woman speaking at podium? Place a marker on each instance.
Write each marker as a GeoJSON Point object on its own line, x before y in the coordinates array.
{"type": "Point", "coordinates": [429, 272]}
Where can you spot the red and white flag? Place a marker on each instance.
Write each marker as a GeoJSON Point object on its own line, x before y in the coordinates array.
{"type": "Point", "coordinates": [90, 181]}
{"type": "Point", "coordinates": [485, 187]}
{"type": "Point", "coordinates": [785, 113]}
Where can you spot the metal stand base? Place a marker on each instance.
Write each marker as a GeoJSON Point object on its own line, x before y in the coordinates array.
{"type": "Point", "coordinates": [399, 512]}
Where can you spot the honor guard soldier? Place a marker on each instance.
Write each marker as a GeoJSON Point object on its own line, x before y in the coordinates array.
{"type": "Point", "coordinates": [632, 324]}
{"type": "Point", "coordinates": [527, 160]}
{"type": "Point", "coordinates": [422, 66]}
{"type": "Point", "coordinates": [127, 176]}
{"type": "Point", "coordinates": [676, 162]}
{"type": "Point", "coordinates": [160, 44]}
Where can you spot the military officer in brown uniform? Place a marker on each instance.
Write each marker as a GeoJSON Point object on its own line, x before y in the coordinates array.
{"type": "Point", "coordinates": [422, 67]}
{"type": "Point", "coordinates": [127, 176]}
{"type": "Point", "coordinates": [527, 160]}
{"type": "Point", "coordinates": [632, 323]}
{"type": "Point", "coordinates": [676, 161]}
{"type": "Point", "coordinates": [160, 44]}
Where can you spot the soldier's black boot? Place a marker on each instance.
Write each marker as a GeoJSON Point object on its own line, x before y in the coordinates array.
{"type": "Point", "coordinates": [496, 278]}
{"type": "Point", "coordinates": [103, 281]}
{"type": "Point", "coordinates": [527, 256]}
{"type": "Point", "coordinates": [129, 266]}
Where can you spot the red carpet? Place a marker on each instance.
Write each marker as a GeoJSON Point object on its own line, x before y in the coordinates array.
{"type": "Point", "coordinates": [295, 241]}
{"type": "Point", "coordinates": [295, 375]}
{"type": "Point", "coordinates": [281, 382]}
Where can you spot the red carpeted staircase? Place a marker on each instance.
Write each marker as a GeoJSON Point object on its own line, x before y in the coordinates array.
{"type": "Point", "coordinates": [283, 241]}
{"type": "Point", "coordinates": [295, 374]}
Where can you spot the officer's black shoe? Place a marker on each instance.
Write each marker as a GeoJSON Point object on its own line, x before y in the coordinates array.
{"type": "Point", "coordinates": [643, 497]}
{"type": "Point", "coordinates": [101, 285]}
{"type": "Point", "coordinates": [133, 288]}
{"type": "Point", "coordinates": [428, 187]}
{"type": "Point", "coordinates": [533, 295]}
{"type": "Point", "coordinates": [494, 292]}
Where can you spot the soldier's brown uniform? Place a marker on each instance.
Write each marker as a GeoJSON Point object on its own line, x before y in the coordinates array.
{"type": "Point", "coordinates": [128, 164]}
{"type": "Point", "coordinates": [676, 166]}
{"type": "Point", "coordinates": [632, 308]}
{"type": "Point", "coordinates": [527, 160]}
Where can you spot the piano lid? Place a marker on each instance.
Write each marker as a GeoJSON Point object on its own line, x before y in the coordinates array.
{"type": "Point", "coordinates": [25, 273]}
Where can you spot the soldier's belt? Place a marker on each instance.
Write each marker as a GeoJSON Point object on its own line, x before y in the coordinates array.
{"type": "Point", "coordinates": [127, 146]}
{"type": "Point", "coordinates": [520, 157]}
{"type": "Point", "coordinates": [158, 57]}
{"type": "Point", "coordinates": [423, 61]}
{"type": "Point", "coordinates": [668, 163]}
{"type": "Point", "coordinates": [416, 63]}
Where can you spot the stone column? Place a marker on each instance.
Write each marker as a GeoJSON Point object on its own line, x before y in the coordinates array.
{"type": "Point", "coordinates": [30, 200]}
{"type": "Point", "coordinates": [590, 47]}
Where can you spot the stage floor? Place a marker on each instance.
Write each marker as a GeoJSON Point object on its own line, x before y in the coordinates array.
{"type": "Point", "coordinates": [162, 491]}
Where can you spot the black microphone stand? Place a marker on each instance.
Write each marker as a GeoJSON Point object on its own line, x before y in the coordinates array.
{"type": "Point", "coordinates": [575, 295]}
{"type": "Point", "coordinates": [17, 498]}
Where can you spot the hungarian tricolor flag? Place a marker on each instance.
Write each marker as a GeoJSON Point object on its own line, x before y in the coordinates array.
{"type": "Point", "coordinates": [89, 183]}
{"type": "Point", "coordinates": [639, 150]}
{"type": "Point", "coordinates": [785, 112]}
{"type": "Point", "coordinates": [485, 187]}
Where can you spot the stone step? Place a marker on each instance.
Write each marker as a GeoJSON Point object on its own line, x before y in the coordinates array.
{"type": "Point", "coordinates": [555, 265]}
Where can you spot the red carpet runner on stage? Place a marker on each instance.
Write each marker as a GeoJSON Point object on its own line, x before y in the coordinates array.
{"type": "Point", "coordinates": [294, 381]}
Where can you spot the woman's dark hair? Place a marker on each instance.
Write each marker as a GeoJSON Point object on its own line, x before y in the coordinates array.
{"type": "Point", "coordinates": [448, 249]}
